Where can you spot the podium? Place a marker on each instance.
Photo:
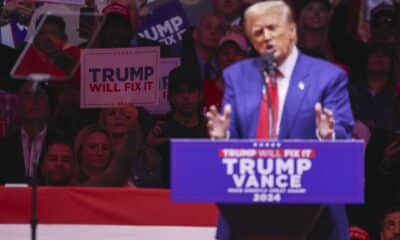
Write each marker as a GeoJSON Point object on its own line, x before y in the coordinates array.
{"type": "Point", "coordinates": [274, 190]}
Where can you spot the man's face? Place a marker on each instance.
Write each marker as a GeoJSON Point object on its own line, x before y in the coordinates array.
{"type": "Point", "coordinates": [33, 105]}
{"type": "Point", "coordinates": [186, 101]}
{"type": "Point", "coordinates": [384, 29]}
{"type": "Point", "coordinates": [271, 32]}
{"type": "Point", "coordinates": [378, 62]}
{"type": "Point", "coordinates": [228, 54]}
{"type": "Point", "coordinates": [314, 16]}
{"type": "Point", "coordinates": [209, 32]}
{"type": "Point", "coordinates": [116, 36]}
{"type": "Point", "coordinates": [391, 227]}
{"type": "Point", "coordinates": [133, 12]}
{"type": "Point", "coordinates": [50, 39]}
{"type": "Point", "coordinates": [230, 9]}
{"type": "Point", "coordinates": [58, 165]}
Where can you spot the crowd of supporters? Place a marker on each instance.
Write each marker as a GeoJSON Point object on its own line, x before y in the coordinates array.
{"type": "Point", "coordinates": [45, 133]}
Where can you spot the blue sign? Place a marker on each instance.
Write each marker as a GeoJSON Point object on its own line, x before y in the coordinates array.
{"type": "Point", "coordinates": [253, 171]}
{"type": "Point", "coordinates": [166, 24]}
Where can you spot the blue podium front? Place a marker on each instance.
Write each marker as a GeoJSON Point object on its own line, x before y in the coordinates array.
{"type": "Point", "coordinates": [271, 172]}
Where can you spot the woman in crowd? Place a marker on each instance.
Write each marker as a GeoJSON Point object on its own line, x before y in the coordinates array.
{"type": "Point", "coordinates": [123, 124]}
{"type": "Point", "coordinates": [92, 149]}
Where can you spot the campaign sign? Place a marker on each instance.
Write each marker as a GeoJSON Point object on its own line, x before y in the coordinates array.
{"type": "Point", "coordinates": [166, 65]}
{"type": "Point", "coordinates": [112, 76]}
{"type": "Point", "coordinates": [252, 171]}
{"type": "Point", "coordinates": [166, 23]}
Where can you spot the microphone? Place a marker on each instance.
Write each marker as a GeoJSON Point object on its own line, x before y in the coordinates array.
{"type": "Point", "coordinates": [269, 63]}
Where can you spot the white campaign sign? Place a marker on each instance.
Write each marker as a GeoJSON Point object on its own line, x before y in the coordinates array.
{"type": "Point", "coordinates": [112, 76]}
{"type": "Point", "coordinates": [166, 65]}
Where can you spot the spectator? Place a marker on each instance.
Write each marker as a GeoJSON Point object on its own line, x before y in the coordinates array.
{"type": "Point", "coordinates": [144, 163]}
{"type": "Point", "coordinates": [67, 113]}
{"type": "Point", "coordinates": [390, 225]}
{"type": "Point", "coordinates": [23, 149]}
{"type": "Point", "coordinates": [58, 164]}
{"type": "Point", "coordinates": [199, 48]}
{"type": "Point", "coordinates": [92, 150]}
{"type": "Point", "coordinates": [184, 121]}
{"type": "Point", "coordinates": [351, 51]}
{"type": "Point", "coordinates": [373, 99]}
{"type": "Point", "coordinates": [49, 53]}
{"type": "Point", "coordinates": [229, 10]}
{"type": "Point", "coordinates": [232, 48]}
{"type": "Point", "coordinates": [313, 22]}
{"type": "Point", "coordinates": [116, 31]}
{"type": "Point", "coordinates": [8, 111]}
{"type": "Point", "coordinates": [127, 10]}
{"type": "Point", "coordinates": [17, 14]}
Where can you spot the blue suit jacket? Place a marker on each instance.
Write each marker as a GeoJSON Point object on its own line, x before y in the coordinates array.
{"type": "Point", "coordinates": [313, 80]}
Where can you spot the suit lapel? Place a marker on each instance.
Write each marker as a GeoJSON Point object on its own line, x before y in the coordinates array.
{"type": "Point", "coordinates": [254, 86]}
{"type": "Point", "coordinates": [18, 164]}
{"type": "Point", "coordinates": [298, 86]}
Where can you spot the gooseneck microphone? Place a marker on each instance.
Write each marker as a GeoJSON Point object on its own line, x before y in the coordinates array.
{"type": "Point", "coordinates": [269, 71]}
{"type": "Point", "coordinates": [269, 64]}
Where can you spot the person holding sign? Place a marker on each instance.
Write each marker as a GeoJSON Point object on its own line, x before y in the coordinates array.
{"type": "Point", "coordinates": [282, 94]}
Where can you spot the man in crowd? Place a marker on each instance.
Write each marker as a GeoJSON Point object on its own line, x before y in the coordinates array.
{"type": "Point", "coordinates": [390, 228]}
{"type": "Point", "coordinates": [200, 47]}
{"type": "Point", "coordinates": [229, 10]}
{"type": "Point", "coordinates": [22, 150]}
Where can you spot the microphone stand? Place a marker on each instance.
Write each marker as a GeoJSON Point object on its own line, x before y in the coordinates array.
{"type": "Point", "coordinates": [36, 79]}
{"type": "Point", "coordinates": [270, 73]}
{"type": "Point", "coordinates": [34, 217]}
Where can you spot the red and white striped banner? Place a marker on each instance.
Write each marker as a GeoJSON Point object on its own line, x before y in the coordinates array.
{"type": "Point", "coordinates": [104, 213]}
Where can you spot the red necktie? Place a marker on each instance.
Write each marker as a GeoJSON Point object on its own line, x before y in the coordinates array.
{"type": "Point", "coordinates": [269, 108]}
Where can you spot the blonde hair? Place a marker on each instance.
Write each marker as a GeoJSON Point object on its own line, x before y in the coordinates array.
{"type": "Point", "coordinates": [266, 7]}
{"type": "Point", "coordinates": [81, 138]}
{"type": "Point", "coordinates": [102, 117]}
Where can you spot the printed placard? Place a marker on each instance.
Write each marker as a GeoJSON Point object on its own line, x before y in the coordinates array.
{"type": "Point", "coordinates": [166, 23]}
{"type": "Point", "coordinates": [112, 76]}
{"type": "Point", "coordinates": [251, 171]}
{"type": "Point", "coordinates": [166, 65]}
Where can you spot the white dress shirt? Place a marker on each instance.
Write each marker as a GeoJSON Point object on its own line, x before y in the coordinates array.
{"type": "Point", "coordinates": [286, 69]}
{"type": "Point", "coordinates": [32, 149]}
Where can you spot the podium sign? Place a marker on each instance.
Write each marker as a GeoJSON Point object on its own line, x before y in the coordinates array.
{"type": "Point", "coordinates": [252, 171]}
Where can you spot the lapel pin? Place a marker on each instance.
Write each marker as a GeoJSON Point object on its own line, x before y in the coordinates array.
{"type": "Point", "coordinates": [301, 86]}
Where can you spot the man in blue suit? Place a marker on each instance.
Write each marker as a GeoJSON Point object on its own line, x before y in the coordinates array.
{"type": "Point", "coordinates": [312, 96]}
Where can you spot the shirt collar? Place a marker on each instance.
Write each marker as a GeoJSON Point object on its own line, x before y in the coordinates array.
{"type": "Point", "coordinates": [287, 67]}
{"type": "Point", "coordinates": [202, 62]}
{"type": "Point", "coordinates": [40, 135]}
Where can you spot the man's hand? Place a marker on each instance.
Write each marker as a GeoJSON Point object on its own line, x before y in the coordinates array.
{"type": "Point", "coordinates": [218, 125]}
{"type": "Point", "coordinates": [156, 136]}
{"type": "Point", "coordinates": [325, 122]}
{"type": "Point", "coordinates": [131, 114]}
